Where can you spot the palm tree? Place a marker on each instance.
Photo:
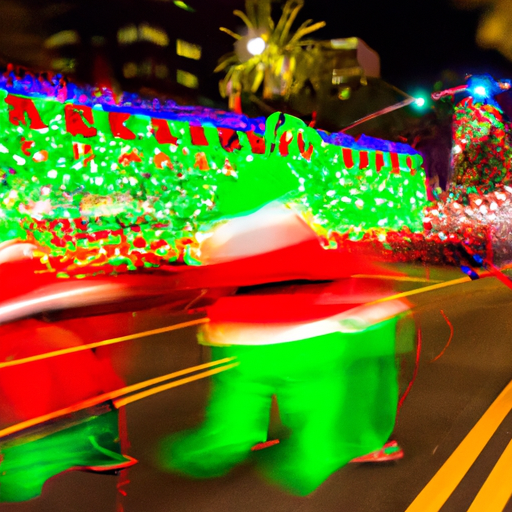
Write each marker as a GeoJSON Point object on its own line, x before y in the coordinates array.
{"type": "Point", "coordinates": [274, 64]}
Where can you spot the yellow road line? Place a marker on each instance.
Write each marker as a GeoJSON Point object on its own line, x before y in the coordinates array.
{"type": "Point", "coordinates": [423, 289]}
{"type": "Point", "coordinates": [133, 398]}
{"type": "Point", "coordinates": [397, 278]}
{"type": "Point", "coordinates": [497, 489]}
{"type": "Point", "coordinates": [444, 482]}
{"type": "Point", "coordinates": [79, 348]}
{"type": "Point", "coordinates": [117, 394]}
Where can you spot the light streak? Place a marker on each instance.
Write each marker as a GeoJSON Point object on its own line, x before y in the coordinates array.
{"type": "Point", "coordinates": [449, 339]}
{"type": "Point", "coordinates": [104, 343]}
{"type": "Point", "coordinates": [117, 395]}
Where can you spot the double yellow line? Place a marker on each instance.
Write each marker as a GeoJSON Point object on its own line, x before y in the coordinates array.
{"type": "Point", "coordinates": [497, 489]}
{"type": "Point", "coordinates": [127, 395]}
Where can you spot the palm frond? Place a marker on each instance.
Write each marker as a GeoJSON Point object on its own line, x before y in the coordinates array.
{"type": "Point", "coordinates": [230, 32]}
{"type": "Point", "coordinates": [288, 25]}
{"type": "Point", "coordinates": [251, 10]}
{"type": "Point", "coordinates": [244, 18]}
{"type": "Point", "coordinates": [258, 79]}
{"type": "Point", "coordinates": [301, 32]}
{"type": "Point", "coordinates": [288, 8]}
{"type": "Point", "coordinates": [264, 13]}
{"type": "Point", "coordinates": [271, 24]}
{"type": "Point", "coordinates": [225, 61]}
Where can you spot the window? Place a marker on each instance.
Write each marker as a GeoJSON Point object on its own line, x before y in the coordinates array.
{"type": "Point", "coordinates": [144, 32]}
{"type": "Point", "coordinates": [188, 50]}
{"type": "Point", "coordinates": [62, 38]}
{"type": "Point", "coordinates": [187, 79]}
{"type": "Point", "coordinates": [130, 70]}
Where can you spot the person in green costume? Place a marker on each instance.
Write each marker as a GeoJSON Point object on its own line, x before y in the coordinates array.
{"type": "Point", "coordinates": [335, 379]}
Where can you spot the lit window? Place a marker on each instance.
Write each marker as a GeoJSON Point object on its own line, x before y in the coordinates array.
{"type": "Point", "coordinates": [130, 70]}
{"type": "Point", "coordinates": [153, 35]}
{"type": "Point", "coordinates": [161, 71]}
{"type": "Point", "coordinates": [342, 75]}
{"type": "Point", "coordinates": [62, 38]}
{"type": "Point", "coordinates": [187, 79]}
{"type": "Point", "coordinates": [188, 50]}
{"type": "Point", "coordinates": [146, 68]}
{"type": "Point", "coordinates": [63, 64]}
{"type": "Point", "coordinates": [144, 32]}
{"type": "Point", "coordinates": [128, 34]}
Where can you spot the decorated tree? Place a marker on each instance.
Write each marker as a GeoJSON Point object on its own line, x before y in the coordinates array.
{"type": "Point", "coordinates": [482, 145]}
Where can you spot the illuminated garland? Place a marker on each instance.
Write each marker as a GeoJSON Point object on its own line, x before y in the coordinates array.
{"type": "Point", "coordinates": [114, 188]}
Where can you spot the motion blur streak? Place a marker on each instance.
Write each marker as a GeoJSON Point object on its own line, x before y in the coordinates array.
{"type": "Point", "coordinates": [104, 343]}
{"type": "Point", "coordinates": [119, 393]}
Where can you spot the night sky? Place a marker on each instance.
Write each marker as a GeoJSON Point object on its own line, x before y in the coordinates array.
{"type": "Point", "coordinates": [417, 39]}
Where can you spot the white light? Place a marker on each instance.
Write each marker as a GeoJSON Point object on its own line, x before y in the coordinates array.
{"type": "Point", "coordinates": [419, 102]}
{"type": "Point", "coordinates": [480, 91]}
{"type": "Point", "coordinates": [256, 46]}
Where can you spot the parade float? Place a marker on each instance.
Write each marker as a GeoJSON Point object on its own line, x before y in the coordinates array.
{"type": "Point", "coordinates": [105, 185]}
{"type": "Point", "coordinates": [474, 213]}
{"type": "Point", "coordinates": [111, 185]}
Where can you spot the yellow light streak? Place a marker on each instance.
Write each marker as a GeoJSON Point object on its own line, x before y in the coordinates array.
{"type": "Point", "coordinates": [104, 343]}
{"type": "Point", "coordinates": [117, 394]}
{"type": "Point", "coordinates": [423, 289]}
{"type": "Point", "coordinates": [397, 278]}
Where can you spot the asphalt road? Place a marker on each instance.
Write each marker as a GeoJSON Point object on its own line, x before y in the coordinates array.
{"type": "Point", "coordinates": [448, 398]}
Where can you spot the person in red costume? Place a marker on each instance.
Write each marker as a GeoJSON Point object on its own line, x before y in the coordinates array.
{"type": "Point", "coordinates": [88, 439]}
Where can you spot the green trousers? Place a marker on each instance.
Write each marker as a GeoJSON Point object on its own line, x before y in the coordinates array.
{"type": "Point", "coordinates": [337, 396]}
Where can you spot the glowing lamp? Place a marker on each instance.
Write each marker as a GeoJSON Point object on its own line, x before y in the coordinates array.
{"type": "Point", "coordinates": [256, 46]}
{"type": "Point", "coordinates": [419, 102]}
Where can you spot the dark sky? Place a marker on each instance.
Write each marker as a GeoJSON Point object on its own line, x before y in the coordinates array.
{"type": "Point", "coordinates": [416, 39]}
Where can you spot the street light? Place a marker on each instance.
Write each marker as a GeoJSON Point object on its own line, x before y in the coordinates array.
{"type": "Point", "coordinates": [256, 46]}
{"type": "Point", "coordinates": [251, 44]}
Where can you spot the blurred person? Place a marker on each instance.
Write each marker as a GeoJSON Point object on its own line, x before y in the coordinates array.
{"type": "Point", "coordinates": [326, 350]}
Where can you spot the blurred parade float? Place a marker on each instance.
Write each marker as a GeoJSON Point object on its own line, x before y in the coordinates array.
{"type": "Point", "coordinates": [97, 189]}
{"type": "Point", "coordinates": [108, 185]}
{"type": "Point", "coordinates": [105, 185]}
{"type": "Point", "coordinates": [475, 210]}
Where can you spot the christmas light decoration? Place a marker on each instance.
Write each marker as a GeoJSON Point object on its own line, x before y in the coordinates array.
{"type": "Point", "coordinates": [475, 212]}
{"type": "Point", "coordinates": [111, 187]}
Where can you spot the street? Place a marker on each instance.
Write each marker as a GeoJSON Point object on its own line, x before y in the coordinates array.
{"type": "Point", "coordinates": [447, 399]}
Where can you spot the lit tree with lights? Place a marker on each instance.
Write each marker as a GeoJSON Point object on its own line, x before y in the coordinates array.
{"type": "Point", "coordinates": [266, 55]}
{"type": "Point", "coordinates": [482, 144]}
